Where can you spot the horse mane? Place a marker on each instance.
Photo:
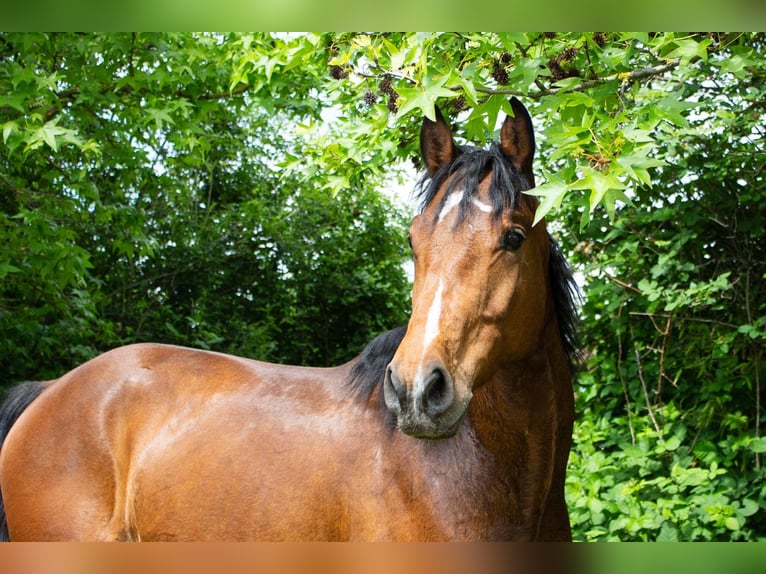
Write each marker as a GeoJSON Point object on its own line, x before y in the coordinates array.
{"type": "Point", "coordinates": [14, 401]}
{"type": "Point", "coordinates": [369, 370]}
{"type": "Point", "coordinates": [565, 295]}
{"type": "Point", "coordinates": [467, 170]}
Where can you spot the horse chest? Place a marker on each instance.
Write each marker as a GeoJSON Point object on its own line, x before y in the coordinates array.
{"type": "Point", "coordinates": [436, 490]}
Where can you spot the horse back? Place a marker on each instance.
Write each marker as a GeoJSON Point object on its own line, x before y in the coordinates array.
{"type": "Point", "coordinates": [79, 459]}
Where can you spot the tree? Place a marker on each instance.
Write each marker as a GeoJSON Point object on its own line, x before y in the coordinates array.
{"type": "Point", "coordinates": [203, 189]}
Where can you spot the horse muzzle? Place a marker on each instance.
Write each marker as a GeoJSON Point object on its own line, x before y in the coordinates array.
{"type": "Point", "coordinates": [428, 408]}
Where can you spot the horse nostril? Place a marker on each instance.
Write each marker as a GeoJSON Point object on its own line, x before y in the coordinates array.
{"type": "Point", "coordinates": [394, 392]}
{"type": "Point", "coordinates": [438, 392]}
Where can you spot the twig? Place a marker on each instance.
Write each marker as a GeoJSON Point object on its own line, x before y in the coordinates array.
{"type": "Point", "coordinates": [623, 284]}
{"type": "Point", "coordinates": [622, 379]}
{"type": "Point", "coordinates": [757, 361]}
{"type": "Point", "coordinates": [646, 391]}
{"type": "Point", "coordinates": [757, 364]}
{"type": "Point", "coordinates": [662, 374]}
{"type": "Point", "coordinates": [690, 319]}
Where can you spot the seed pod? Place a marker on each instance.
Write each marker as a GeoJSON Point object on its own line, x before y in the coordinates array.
{"type": "Point", "coordinates": [385, 86]}
{"type": "Point", "coordinates": [338, 72]}
{"type": "Point", "coordinates": [370, 98]}
{"type": "Point", "coordinates": [458, 104]}
{"type": "Point", "coordinates": [600, 39]}
{"type": "Point", "coordinates": [393, 108]}
{"type": "Point", "coordinates": [568, 54]}
{"type": "Point", "coordinates": [499, 73]}
{"type": "Point", "coordinates": [557, 72]}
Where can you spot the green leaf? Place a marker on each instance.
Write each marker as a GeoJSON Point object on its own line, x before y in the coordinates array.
{"type": "Point", "coordinates": [424, 97]}
{"type": "Point", "coordinates": [8, 129]}
{"type": "Point", "coordinates": [672, 443]}
{"type": "Point", "coordinates": [749, 507]}
{"type": "Point", "coordinates": [611, 198]}
{"type": "Point", "coordinates": [550, 194]}
{"type": "Point", "coordinates": [527, 70]}
{"type": "Point", "coordinates": [489, 109]}
{"type": "Point", "coordinates": [7, 268]}
{"type": "Point", "coordinates": [465, 80]}
{"type": "Point", "coordinates": [567, 83]}
{"type": "Point", "coordinates": [668, 533]}
{"type": "Point", "coordinates": [159, 117]}
{"type": "Point", "coordinates": [736, 65]}
{"type": "Point", "coordinates": [688, 48]}
{"type": "Point", "coordinates": [637, 166]}
{"type": "Point", "coordinates": [672, 107]}
{"type": "Point", "coordinates": [598, 184]}
{"type": "Point", "coordinates": [48, 134]}
{"type": "Point", "coordinates": [15, 101]}
{"type": "Point", "coordinates": [51, 135]}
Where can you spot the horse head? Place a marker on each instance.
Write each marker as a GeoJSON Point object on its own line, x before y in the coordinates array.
{"type": "Point", "coordinates": [480, 296]}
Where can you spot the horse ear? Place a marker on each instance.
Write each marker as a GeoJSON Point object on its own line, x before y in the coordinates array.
{"type": "Point", "coordinates": [436, 144]}
{"type": "Point", "coordinates": [517, 141]}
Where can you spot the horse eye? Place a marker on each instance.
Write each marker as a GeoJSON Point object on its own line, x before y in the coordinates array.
{"type": "Point", "coordinates": [513, 239]}
{"type": "Point", "coordinates": [409, 241]}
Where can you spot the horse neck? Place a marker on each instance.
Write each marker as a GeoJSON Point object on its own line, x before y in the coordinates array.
{"type": "Point", "coordinates": [521, 421]}
{"type": "Point", "coordinates": [528, 401]}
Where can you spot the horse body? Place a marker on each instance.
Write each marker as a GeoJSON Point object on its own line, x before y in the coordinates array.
{"type": "Point", "coordinates": [167, 443]}
{"type": "Point", "coordinates": [455, 428]}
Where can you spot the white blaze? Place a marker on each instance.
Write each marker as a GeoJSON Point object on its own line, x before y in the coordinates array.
{"type": "Point", "coordinates": [434, 317]}
{"type": "Point", "coordinates": [432, 330]}
{"type": "Point", "coordinates": [452, 201]}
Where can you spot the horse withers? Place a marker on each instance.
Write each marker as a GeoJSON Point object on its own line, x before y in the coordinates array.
{"type": "Point", "coordinates": [457, 427]}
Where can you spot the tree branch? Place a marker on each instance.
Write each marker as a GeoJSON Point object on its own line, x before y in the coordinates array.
{"type": "Point", "coordinates": [757, 365]}
{"type": "Point", "coordinates": [628, 407]}
{"type": "Point", "coordinates": [622, 283]}
{"type": "Point", "coordinates": [66, 97]}
{"type": "Point", "coordinates": [640, 74]}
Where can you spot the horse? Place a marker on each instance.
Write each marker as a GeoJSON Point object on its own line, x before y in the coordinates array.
{"type": "Point", "coordinates": [455, 427]}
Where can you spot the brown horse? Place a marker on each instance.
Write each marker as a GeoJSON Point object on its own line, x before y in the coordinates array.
{"type": "Point", "coordinates": [455, 428]}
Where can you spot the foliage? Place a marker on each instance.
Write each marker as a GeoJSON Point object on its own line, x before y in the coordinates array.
{"type": "Point", "coordinates": [669, 444]}
{"type": "Point", "coordinates": [224, 191]}
{"type": "Point", "coordinates": [142, 200]}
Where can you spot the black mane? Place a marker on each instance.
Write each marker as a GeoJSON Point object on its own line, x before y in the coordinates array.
{"type": "Point", "coordinates": [469, 168]}
{"type": "Point", "coordinates": [565, 295]}
{"type": "Point", "coordinates": [369, 370]}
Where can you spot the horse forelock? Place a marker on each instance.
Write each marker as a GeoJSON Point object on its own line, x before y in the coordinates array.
{"type": "Point", "coordinates": [471, 166]}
